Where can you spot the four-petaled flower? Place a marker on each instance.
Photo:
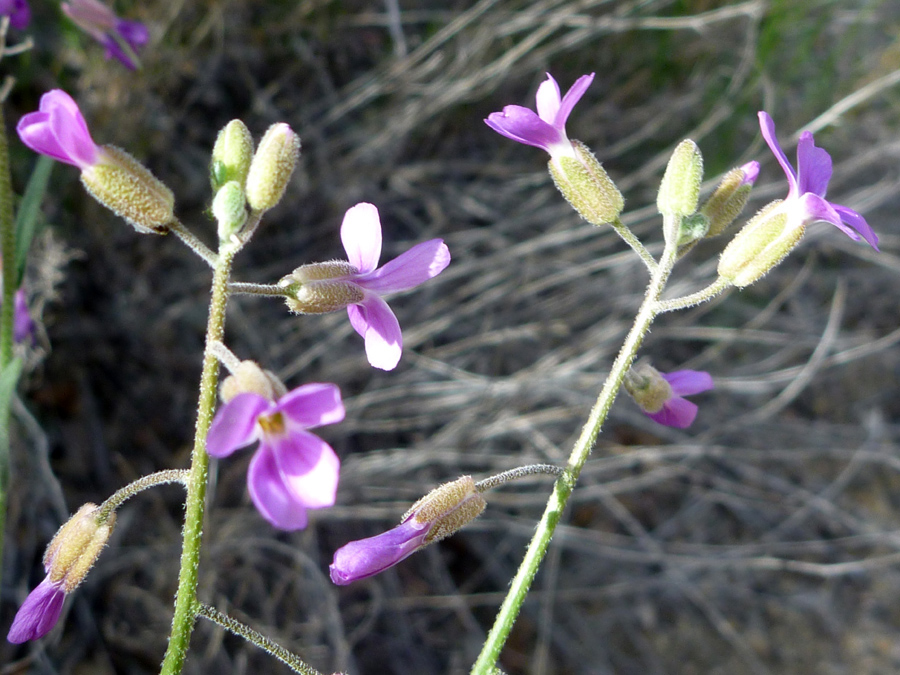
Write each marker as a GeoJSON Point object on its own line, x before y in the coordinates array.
{"type": "Point", "coordinates": [18, 12]}
{"type": "Point", "coordinates": [806, 201]}
{"type": "Point", "coordinates": [121, 38]}
{"type": "Point", "coordinates": [58, 130]}
{"type": "Point", "coordinates": [545, 129]}
{"type": "Point", "coordinates": [292, 470]}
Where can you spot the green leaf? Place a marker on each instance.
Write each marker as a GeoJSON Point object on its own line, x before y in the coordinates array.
{"type": "Point", "coordinates": [29, 209]}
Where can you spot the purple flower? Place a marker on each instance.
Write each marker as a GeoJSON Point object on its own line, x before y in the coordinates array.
{"type": "Point", "coordinates": [58, 130]}
{"type": "Point", "coordinates": [677, 411]}
{"type": "Point", "coordinates": [806, 201]}
{"type": "Point", "coordinates": [39, 613]}
{"type": "Point", "coordinates": [292, 470]}
{"type": "Point", "coordinates": [367, 557]}
{"type": "Point", "coordinates": [326, 287]}
{"type": "Point", "coordinates": [18, 12]}
{"type": "Point", "coordinates": [23, 325]}
{"type": "Point", "coordinates": [547, 128]}
{"type": "Point", "coordinates": [120, 37]}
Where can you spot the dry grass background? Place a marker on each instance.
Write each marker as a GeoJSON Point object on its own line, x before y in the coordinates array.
{"type": "Point", "coordinates": [764, 539]}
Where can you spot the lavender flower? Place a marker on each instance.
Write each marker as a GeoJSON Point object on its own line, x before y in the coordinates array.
{"type": "Point", "coordinates": [23, 324]}
{"type": "Point", "coordinates": [120, 37]}
{"type": "Point", "coordinates": [18, 12]}
{"type": "Point", "coordinates": [326, 287]}
{"type": "Point", "coordinates": [58, 130]}
{"type": "Point", "coordinates": [546, 128]}
{"type": "Point", "coordinates": [660, 395]}
{"type": "Point", "coordinates": [806, 203]}
{"type": "Point", "coordinates": [292, 470]}
{"type": "Point", "coordinates": [39, 613]}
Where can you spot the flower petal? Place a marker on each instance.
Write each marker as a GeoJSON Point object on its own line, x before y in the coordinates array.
{"type": "Point", "coordinates": [411, 268]}
{"type": "Point", "coordinates": [548, 100]}
{"type": "Point", "coordinates": [308, 467]}
{"type": "Point", "coordinates": [813, 166]}
{"type": "Point", "coordinates": [361, 236]}
{"type": "Point", "coordinates": [523, 125]}
{"type": "Point", "coordinates": [58, 130]}
{"type": "Point", "coordinates": [375, 321]}
{"type": "Point", "coordinates": [39, 613]}
{"type": "Point", "coordinates": [234, 426]}
{"type": "Point", "coordinates": [677, 412]}
{"type": "Point", "coordinates": [271, 496]}
{"type": "Point", "coordinates": [367, 557]}
{"type": "Point", "coordinates": [858, 223]}
{"type": "Point", "coordinates": [767, 126]}
{"type": "Point", "coordinates": [576, 91]}
{"type": "Point", "coordinates": [312, 405]}
{"type": "Point", "coordinates": [687, 382]}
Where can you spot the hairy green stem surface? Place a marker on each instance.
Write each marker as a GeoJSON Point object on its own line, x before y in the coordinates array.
{"type": "Point", "coordinates": [186, 604]}
{"type": "Point", "coordinates": [159, 478]}
{"type": "Point", "coordinates": [565, 484]}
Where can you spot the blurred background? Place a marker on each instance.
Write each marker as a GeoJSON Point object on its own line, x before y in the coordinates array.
{"type": "Point", "coordinates": [764, 539]}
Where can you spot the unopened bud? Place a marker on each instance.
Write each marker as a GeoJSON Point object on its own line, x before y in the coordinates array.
{"type": "Point", "coordinates": [229, 209]}
{"type": "Point", "coordinates": [319, 288]}
{"type": "Point", "coordinates": [128, 189]}
{"type": "Point", "coordinates": [647, 387]}
{"type": "Point", "coordinates": [693, 228]}
{"type": "Point", "coordinates": [586, 185]}
{"type": "Point", "coordinates": [76, 546]}
{"type": "Point", "coordinates": [231, 155]}
{"type": "Point", "coordinates": [448, 508]}
{"type": "Point", "coordinates": [249, 377]}
{"type": "Point", "coordinates": [679, 190]}
{"type": "Point", "coordinates": [762, 243]}
{"type": "Point", "coordinates": [730, 198]}
{"type": "Point", "coordinates": [272, 167]}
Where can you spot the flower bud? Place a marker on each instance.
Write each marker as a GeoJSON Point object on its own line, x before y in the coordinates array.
{"type": "Point", "coordinates": [586, 185]}
{"type": "Point", "coordinates": [679, 190]}
{"type": "Point", "coordinates": [249, 377]}
{"type": "Point", "coordinates": [76, 546]}
{"type": "Point", "coordinates": [730, 198]}
{"type": "Point", "coordinates": [272, 167]}
{"type": "Point", "coordinates": [229, 209]}
{"type": "Point", "coordinates": [128, 189]}
{"type": "Point", "coordinates": [438, 514]}
{"type": "Point", "coordinates": [319, 288]}
{"type": "Point", "coordinates": [762, 243]}
{"type": "Point", "coordinates": [647, 387]}
{"type": "Point", "coordinates": [692, 228]}
{"type": "Point", "coordinates": [231, 155]}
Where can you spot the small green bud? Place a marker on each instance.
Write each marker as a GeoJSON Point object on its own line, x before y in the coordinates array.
{"type": "Point", "coordinates": [231, 155]}
{"type": "Point", "coordinates": [680, 187]}
{"type": "Point", "coordinates": [586, 186]}
{"type": "Point", "coordinates": [319, 288]}
{"type": "Point", "coordinates": [272, 167]}
{"type": "Point", "coordinates": [128, 189]}
{"type": "Point", "coordinates": [249, 377]}
{"type": "Point", "coordinates": [762, 243]}
{"type": "Point", "coordinates": [449, 507]}
{"type": "Point", "coordinates": [731, 196]}
{"type": "Point", "coordinates": [76, 546]}
{"type": "Point", "coordinates": [693, 227]}
{"type": "Point", "coordinates": [229, 209]}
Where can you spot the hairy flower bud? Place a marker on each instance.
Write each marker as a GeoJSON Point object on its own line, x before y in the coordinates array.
{"type": "Point", "coordinates": [438, 514]}
{"type": "Point", "coordinates": [586, 185]}
{"type": "Point", "coordinates": [319, 288]}
{"type": "Point", "coordinates": [231, 155]}
{"type": "Point", "coordinates": [229, 209]}
{"type": "Point", "coordinates": [679, 190]}
{"type": "Point", "coordinates": [272, 167]}
{"type": "Point", "coordinates": [250, 377]}
{"type": "Point", "coordinates": [760, 245]}
{"type": "Point", "coordinates": [730, 198]}
{"type": "Point", "coordinates": [76, 546]}
{"type": "Point", "coordinates": [647, 387]}
{"type": "Point", "coordinates": [126, 187]}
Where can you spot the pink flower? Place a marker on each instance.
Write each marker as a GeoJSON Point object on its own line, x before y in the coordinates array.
{"type": "Point", "coordinates": [545, 129]}
{"type": "Point", "coordinates": [660, 395]}
{"type": "Point", "coordinates": [806, 201]}
{"type": "Point", "coordinates": [292, 470]}
{"type": "Point", "coordinates": [18, 12]}
{"type": "Point", "coordinates": [23, 324]}
{"type": "Point", "coordinates": [58, 130]}
{"type": "Point", "coordinates": [39, 613]}
{"type": "Point", "coordinates": [120, 37]}
{"type": "Point", "coordinates": [326, 287]}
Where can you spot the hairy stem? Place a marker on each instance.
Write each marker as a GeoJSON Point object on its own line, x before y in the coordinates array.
{"type": "Point", "coordinates": [159, 478]}
{"type": "Point", "coordinates": [269, 290]}
{"type": "Point", "coordinates": [707, 293]}
{"type": "Point", "coordinates": [562, 489]}
{"type": "Point", "coordinates": [186, 605]}
{"type": "Point", "coordinates": [628, 237]}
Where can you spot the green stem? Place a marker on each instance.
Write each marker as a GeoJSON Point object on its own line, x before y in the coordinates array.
{"type": "Point", "coordinates": [141, 484]}
{"type": "Point", "coordinates": [288, 658]}
{"type": "Point", "coordinates": [562, 489]}
{"type": "Point", "coordinates": [7, 310]}
{"type": "Point", "coordinates": [269, 290]}
{"type": "Point", "coordinates": [707, 293]}
{"type": "Point", "coordinates": [186, 605]}
{"type": "Point", "coordinates": [629, 238]}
